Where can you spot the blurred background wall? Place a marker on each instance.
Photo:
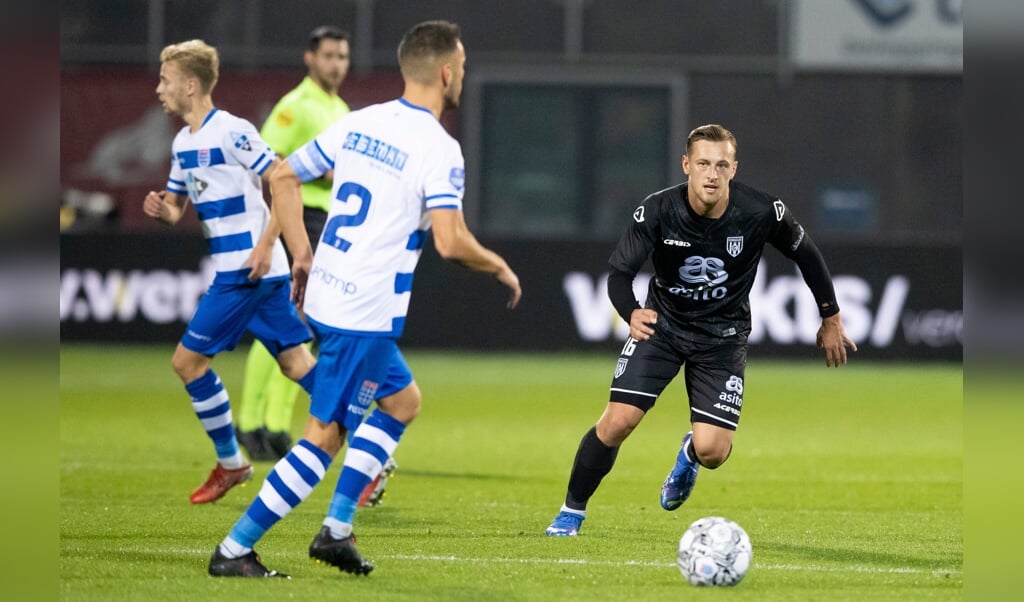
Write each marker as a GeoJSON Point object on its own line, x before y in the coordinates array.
{"type": "Point", "coordinates": [573, 111]}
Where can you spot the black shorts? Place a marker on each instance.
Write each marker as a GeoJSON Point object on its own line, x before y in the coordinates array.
{"type": "Point", "coordinates": [315, 220]}
{"type": "Point", "coordinates": [713, 371]}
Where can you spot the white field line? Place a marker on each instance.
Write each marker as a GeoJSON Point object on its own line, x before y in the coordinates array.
{"type": "Point", "coordinates": [817, 568]}
{"type": "Point", "coordinates": [585, 562]}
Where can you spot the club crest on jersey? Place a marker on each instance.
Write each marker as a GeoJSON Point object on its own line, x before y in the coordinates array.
{"type": "Point", "coordinates": [367, 393]}
{"type": "Point", "coordinates": [457, 176]}
{"type": "Point", "coordinates": [734, 245]}
{"type": "Point", "coordinates": [203, 157]}
{"type": "Point", "coordinates": [780, 210]}
{"type": "Point", "coordinates": [241, 142]}
{"type": "Point", "coordinates": [638, 215]}
{"type": "Point", "coordinates": [620, 366]}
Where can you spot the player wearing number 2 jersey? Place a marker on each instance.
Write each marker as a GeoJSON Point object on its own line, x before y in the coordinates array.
{"type": "Point", "coordinates": [394, 164]}
{"type": "Point", "coordinates": [397, 174]}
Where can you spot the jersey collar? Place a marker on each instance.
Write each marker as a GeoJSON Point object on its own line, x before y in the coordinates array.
{"type": "Point", "coordinates": [412, 106]}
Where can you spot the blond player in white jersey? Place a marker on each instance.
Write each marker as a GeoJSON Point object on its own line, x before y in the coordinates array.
{"type": "Point", "coordinates": [397, 173]}
{"type": "Point", "coordinates": [217, 163]}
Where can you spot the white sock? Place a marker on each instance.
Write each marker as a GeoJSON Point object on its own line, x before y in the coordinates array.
{"type": "Point", "coordinates": [339, 530]}
{"type": "Point", "coordinates": [234, 462]}
{"type": "Point", "coordinates": [582, 513]}
{"type": "Point", "coordinates": [232, 549]}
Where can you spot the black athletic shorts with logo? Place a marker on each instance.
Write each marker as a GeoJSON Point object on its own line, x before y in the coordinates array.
{"type": "Point", "coordinates": [713, 373]}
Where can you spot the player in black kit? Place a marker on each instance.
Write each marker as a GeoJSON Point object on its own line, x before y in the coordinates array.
{"type": "Point", "coordinates": [705, 238]}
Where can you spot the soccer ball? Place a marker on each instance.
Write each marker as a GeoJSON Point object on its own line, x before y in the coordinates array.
{"type": "Point", "coordinates": [714, 551]}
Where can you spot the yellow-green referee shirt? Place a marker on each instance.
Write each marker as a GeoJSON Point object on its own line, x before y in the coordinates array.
{"type": "Point", "coordinates": [295, 120]}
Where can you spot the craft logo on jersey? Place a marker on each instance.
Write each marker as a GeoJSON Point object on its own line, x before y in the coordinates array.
{"type": "Point", "coordinates": [638, 215]}
{"type": "Point", "coordinates": [620, 366]}
{"type": "Point", "coordinates": [241, 142]}
{"type": "Point", "coordinates": [203, 157]}
{"type": "Point", "coordinates": [734, 245]}
{"type": "Point", "coordinates": [457, 176]}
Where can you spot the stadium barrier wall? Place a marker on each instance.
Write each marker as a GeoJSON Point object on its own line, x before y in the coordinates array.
{"type": "Point", "coordinates": [900, 302]}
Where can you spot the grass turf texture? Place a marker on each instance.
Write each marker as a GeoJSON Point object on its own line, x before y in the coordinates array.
{"type": "Point", "coordinates": [848, 481]}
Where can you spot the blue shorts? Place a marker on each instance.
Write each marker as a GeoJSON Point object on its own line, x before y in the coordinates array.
{"type": "Point", "coordinates": [352, 372]}
{"type": "Point", "coordinates": [264, 308]}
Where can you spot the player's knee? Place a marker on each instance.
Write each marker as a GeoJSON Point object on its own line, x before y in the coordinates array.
{"type": "Point", "coordinates": [403, 406]}
{"type": "Point", "coordinates": [296, 362]}
{"type": "Point", "coordinates": [713, 456]}
{"type": "Point", "coordinates": [613, 429]}
{"type": "Point", "coordinates": [187, 367]}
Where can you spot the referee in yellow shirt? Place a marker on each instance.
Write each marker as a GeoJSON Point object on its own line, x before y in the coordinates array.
{"type": "Point", "coordinates": [268, 397]}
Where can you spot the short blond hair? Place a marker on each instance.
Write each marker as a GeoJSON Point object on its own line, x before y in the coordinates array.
{"type": "Point", "coordinates": [197, 59]}
{"type": "Point", "coordinates": [711, 132]}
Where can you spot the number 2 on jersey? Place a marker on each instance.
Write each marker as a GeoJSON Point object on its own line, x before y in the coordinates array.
{"type": "Point", "coordinates": [345, 192]}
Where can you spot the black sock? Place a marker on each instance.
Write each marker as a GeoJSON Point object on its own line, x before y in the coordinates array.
{"type": "Point", "coordinates": [593, 461]}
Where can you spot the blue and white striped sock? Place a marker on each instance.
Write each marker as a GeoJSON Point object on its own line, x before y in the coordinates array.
{"type": "Point", "coordinates": [292, 480]}
{"type": "Point", "coordinates": [213, 408]}
{"type": "Point", "coordinates": [372, 444]}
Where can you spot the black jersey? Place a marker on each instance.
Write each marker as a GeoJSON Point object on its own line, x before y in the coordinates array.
{"type": "Point", "coordinates": [704, 268]}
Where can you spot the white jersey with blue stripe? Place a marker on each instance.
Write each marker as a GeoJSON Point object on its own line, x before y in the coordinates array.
{"type": "Point", "coordinates": [219, 168]}
{"type": "Point", "coordinates": [393, 162]}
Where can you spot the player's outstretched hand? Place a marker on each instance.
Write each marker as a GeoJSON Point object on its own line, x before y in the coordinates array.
{"type": "Point", "coordinates": [833, 340]}
{"type": "Point", "coordinates": [507, 277]}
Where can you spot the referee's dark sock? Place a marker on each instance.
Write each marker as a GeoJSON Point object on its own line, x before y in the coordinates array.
{"type": "Point", "coordinates": [593, 461]}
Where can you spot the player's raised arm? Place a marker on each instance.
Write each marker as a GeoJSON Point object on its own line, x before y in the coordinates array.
{"type": "Point", "coordinates": [455, 242]}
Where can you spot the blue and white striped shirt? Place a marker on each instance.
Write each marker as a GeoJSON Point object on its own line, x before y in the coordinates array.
{"type": "Point", "coordinates": [393, 163]}
{"type": "Point", "coordinates": [219, 169]}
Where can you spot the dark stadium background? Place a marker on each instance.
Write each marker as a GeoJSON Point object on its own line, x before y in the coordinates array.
{"type": "Point", "coordinates": [573, 111]}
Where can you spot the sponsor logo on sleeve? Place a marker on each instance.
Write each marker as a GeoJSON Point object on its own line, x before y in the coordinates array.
{"type": "Point", "coordinates": [457, 177]}
{"type": "Point", "coordinates": [241, 141]}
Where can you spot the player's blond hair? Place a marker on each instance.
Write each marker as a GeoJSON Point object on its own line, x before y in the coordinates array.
{"type": "Point", "coordinates": [196, 59]}
{"type": "Point", "coordinates": [712, 133]}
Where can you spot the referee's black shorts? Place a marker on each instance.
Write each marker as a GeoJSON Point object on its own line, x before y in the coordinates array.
{"type": "Point", "coordinates": [713, 373]}
{"type": "Point", "coordinates": [315, 220]}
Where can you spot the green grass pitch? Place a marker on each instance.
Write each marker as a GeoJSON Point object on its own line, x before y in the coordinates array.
{"type": "Point", "coordinates": [849, 482]}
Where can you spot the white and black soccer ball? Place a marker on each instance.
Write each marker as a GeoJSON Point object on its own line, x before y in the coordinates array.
{"type": "Point", "coordinates": [714, 551]}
